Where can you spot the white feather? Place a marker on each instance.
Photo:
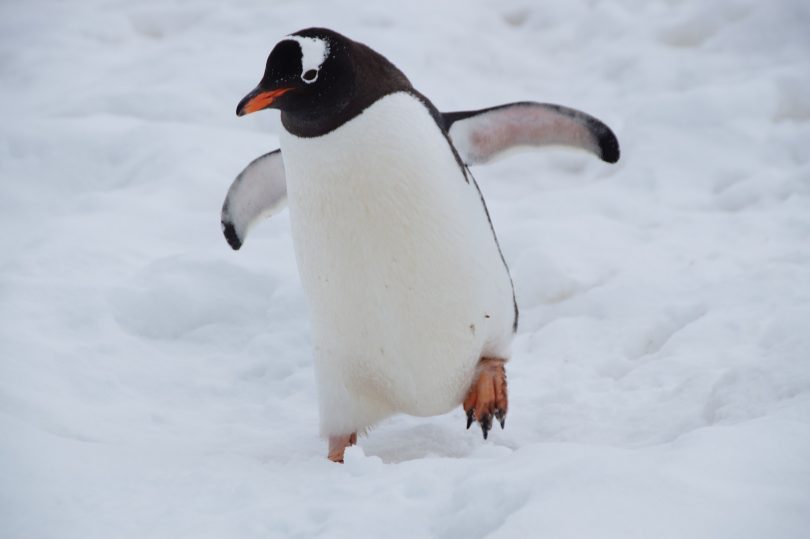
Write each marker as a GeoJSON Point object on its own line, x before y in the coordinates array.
{"type": "Point", "coordinates": [258, 192]}
{"type": "Point", "coordinates": [491, 134]}
{"type": "Point", "coordinates": [403, 276]}
{"type": "Point", "coordinates": [314, 52]}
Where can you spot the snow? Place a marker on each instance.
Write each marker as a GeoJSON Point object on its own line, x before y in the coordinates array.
{"type": "Point", "coordinates": [154, 383]}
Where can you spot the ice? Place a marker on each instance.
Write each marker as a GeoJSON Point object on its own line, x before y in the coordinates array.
{"type": "Point", "coordinates": [154, 383]}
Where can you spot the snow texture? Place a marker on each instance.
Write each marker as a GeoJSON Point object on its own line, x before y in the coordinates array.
{"type": "Point", "coordinates": [154, 383]}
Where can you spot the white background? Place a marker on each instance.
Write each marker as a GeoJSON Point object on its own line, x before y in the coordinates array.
{"type": "Point", "coordinates": [154, 383]}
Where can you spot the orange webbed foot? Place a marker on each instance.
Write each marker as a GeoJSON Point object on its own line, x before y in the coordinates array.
{"type": "Point", "coordinates": [487, 396]}
{"type": "Point", "coordinates": [338, 445]}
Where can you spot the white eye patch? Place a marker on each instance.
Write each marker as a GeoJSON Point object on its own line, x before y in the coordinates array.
{"type": "Point", "coordinates": [314, 52]}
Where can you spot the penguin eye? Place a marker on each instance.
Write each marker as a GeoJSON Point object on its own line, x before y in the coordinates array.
{"type": "Point", "coordinates": [310, 75]}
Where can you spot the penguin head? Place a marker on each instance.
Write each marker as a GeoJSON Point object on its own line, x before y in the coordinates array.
{"type": "Point", "coordinates": [320, 79]}
{"type": "Point", "coordinates": [308, 73]}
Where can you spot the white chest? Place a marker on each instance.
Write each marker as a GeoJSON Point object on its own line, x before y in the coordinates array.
{"type": "Point", "coordinates": [400, 266]}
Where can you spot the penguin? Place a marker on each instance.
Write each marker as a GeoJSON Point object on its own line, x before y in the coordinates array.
{"type": "Point", "coordinates": [412, 305]}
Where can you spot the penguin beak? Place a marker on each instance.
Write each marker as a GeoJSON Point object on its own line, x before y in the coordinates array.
{"type": "Point", "coordinates": [259, 99]}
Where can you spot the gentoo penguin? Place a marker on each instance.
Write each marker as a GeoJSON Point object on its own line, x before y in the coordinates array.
{"type": "Point", "coordinates": [413, 309]}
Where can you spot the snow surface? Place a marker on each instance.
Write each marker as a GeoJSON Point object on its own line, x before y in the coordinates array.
{"type": "Point", "coordinates": [153, 383]}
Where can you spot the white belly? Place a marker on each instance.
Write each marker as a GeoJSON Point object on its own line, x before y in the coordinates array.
{"type": "Point", "coordinates": [402, 273]}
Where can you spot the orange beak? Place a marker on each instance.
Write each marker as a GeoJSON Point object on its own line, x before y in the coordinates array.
{"type": "Point", "coordinates": [259, 99]}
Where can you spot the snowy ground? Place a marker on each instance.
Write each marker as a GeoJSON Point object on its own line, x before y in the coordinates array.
{"type": "Point", "coordinates": [153, 383]}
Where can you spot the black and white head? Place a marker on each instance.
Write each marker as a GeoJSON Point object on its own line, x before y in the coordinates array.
{"type": "Point", "coordinates": [320, 79]}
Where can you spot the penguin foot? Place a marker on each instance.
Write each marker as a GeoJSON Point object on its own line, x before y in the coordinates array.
{"type": "Point", "coordinates": [338, 445]}
{"type": "Point", "coordinates": [487, 396]}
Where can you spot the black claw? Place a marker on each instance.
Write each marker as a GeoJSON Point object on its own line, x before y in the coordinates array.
{"type": "Point", "coordinates": [469, 417]}
{"type": "Point", "coordinates": [501, 415]}
{"type": "Point", "coordinates": [486, 424]}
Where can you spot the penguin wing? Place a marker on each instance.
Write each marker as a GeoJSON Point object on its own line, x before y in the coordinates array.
{"type": "Point", "coordinates": [481, 135]}
{"type": "Point", "coordinates": [257, 193]}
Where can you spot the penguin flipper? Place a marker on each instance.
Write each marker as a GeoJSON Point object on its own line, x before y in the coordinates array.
{"type": "Point", "coordinates": [481, 135]}
{"type": "Point", "coordinates": [258, 192]}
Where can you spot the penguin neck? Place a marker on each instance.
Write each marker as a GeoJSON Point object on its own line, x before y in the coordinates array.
{"type": "Point", "coordinates": [317, 121]}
